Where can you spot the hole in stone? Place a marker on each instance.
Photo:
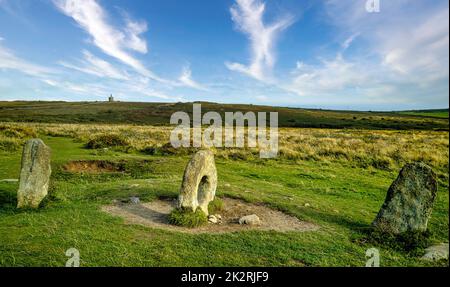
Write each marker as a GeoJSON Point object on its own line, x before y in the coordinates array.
{"type": "Point", "coordinates": [202, 189]}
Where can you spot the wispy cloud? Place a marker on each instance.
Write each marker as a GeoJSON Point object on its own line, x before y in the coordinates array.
{"type": "Point", "coordinates": [405, 60]}
{"type": "Point", "coordinates": [329, 77]}
{"type": "Point", "coordinates": [9, 61]}
{"type": "Point", "coordinates": [117, 42]}
{"type": "Point", "coordinates": [410, 37]}
{"type": "Point", "coordinates": [113, 41]}
{"type": "Point", "coordinates": [248, 18]}
{"type": "Point", "coordinates": [95, 66]}
{"type": "Point", "coordinates": [186, 80]}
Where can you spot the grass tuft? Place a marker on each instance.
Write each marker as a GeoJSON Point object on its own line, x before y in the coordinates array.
{"type": "Point", "coordinates": [215, 206]}
{"type": "Point", "coordinates": [187, 218]}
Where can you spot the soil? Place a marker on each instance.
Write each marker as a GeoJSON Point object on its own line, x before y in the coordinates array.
{"type": "Point", "coordinates": [93, 166]}
{"type": "Point", "coordinates": [155, 214]}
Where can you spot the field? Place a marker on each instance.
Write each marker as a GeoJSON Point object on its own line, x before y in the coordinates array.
{"type": "Point", "coordinates": [333, 170]}
{"type": "Point", "coordinates": [428, 113]}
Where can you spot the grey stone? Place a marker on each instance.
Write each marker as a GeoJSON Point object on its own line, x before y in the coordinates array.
{"type": "Point", "coordinates": [252, 219]}
{"type": "Point", "coordinates": [436, 252]}
{"type": "Point", "coordinates": [213, 219]}
{"type": "Point", "coordinates": [409, 201]}
{"type": "Point", "coordinates": [199, 182]}
{"type": "Point", "coordinates": [34, 175]}
{"type": "Point", "coordinates": [134, 200]}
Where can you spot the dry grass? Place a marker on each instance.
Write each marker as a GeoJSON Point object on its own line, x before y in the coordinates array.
{"type": "Point", "coordinates": [379, 149]}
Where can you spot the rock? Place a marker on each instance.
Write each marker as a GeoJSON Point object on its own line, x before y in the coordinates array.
{"type": "Point", "coordinates": [307, 205]}
{"type": "Point", "coordinates": [213, 219]}
{"type": "Point", "coordinates": [409, 201]}
{"type": "Point", "coordinates": [34, 175]}
{"type": "Point", "coordinates": [199, 182]}
{"type": "Point", "coordinates": [218, 216]}
{"type": "Point", "coordinates": [135, 200]}
{"type": "Point", "coordinates": [436, 252]}
{"type": "Point", "coordinates": [250, 220]}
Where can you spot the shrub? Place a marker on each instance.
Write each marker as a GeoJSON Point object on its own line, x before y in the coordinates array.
{"type": "Point", "coordinates": [9, 144]}
{"type": "Point", "coordinates": [107, 140]}
{"type": "Point", "coordinates": [185, 218]}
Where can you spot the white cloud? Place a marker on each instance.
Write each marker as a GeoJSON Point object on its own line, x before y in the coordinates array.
{"type": "Point", "coordinates": [95, 66]}
{"type": "Point", "coordinates": [410, 37]}
{"type": "Point", "coordinates": [328, 77]}
{"type": "Point", "coordinates": [133, 41]}
{"type": "Point", "coordinates": [113, 41]}
{"type": "Point", "coordinates": [404, 59]}
{"type": "Point", "coordinates": [248, 17]}
{"type": "Point", "coordinates": [9, 61]}
{"type": "Point", "coordinates": [346, 44]}
{"type": "Point", "coordinates": [186, 80]}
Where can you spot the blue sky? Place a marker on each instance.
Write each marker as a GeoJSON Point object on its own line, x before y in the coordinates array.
{"type": "Point", "coordinates": [320, 54]}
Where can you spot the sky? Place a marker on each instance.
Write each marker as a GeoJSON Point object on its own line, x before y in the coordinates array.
{"type": "Point", "coordinates": [332, 54]}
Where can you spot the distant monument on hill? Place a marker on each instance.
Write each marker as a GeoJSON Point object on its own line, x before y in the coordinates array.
{"type": "Point", "coordinates": [111, 98]}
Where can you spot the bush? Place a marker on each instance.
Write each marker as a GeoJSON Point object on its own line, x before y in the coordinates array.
{"type": "Point", "coordinates": [9, 144]}
{"type": "Point", "coordinates": [107, 140]}
{"type": "Point", "coordinates": [185, 218]}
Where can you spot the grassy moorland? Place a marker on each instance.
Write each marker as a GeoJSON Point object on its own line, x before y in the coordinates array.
{"type": "Point", "coordinates": [428, 113]}
{"type": "Point", "coordinates": [335, 178]}
{"type": "Point", "coordinates": [159, 114]}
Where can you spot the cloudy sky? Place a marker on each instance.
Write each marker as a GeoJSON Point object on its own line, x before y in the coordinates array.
{"type": "Point", "coordinates": [304, 53]}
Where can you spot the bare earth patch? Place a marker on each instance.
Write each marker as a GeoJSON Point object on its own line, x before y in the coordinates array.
{"type": "Point", "coordinates": [92, 166]}
{"type": "Point", "coordinates": [155, 214]}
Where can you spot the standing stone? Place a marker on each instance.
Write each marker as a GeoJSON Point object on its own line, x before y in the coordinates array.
{"type": "Point", "coordinates": [34, 174]}
{"type": "Point", "coordinates": [199, 182]}
{"type": "Point", "coordinates": [409, 201]}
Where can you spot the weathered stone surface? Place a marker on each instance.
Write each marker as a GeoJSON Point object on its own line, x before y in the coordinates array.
{"type": "Point", "coordinates": [252, 219]}
{"type": "Point", "coordinates": [409, 201]}
{"type": "Point", "coordinates": [34, 174]}
{"type": "Point", "coordinates": [199, 182]}
{"type": "Point", "coordinates": [436, 252]}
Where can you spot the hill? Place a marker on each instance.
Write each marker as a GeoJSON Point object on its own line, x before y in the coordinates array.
{"type": "Point", "coordinates": [159, 114]}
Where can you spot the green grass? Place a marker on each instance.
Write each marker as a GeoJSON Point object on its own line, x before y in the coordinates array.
{"type": "Point", "coordinates": [428, 113]}
{"type": "Point", "coordinates": [342, 199]}
{"type": "Point", "coordinates": [159, 114]}
{"type": "Point", "coordinates": [188, 218]}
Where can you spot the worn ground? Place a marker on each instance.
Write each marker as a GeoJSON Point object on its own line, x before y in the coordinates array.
{"type": "Point", "coordinates": [156, 214]}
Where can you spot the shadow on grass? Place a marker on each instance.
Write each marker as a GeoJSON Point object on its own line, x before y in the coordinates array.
{"type": "Point", "coordinates": [8, 197]}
